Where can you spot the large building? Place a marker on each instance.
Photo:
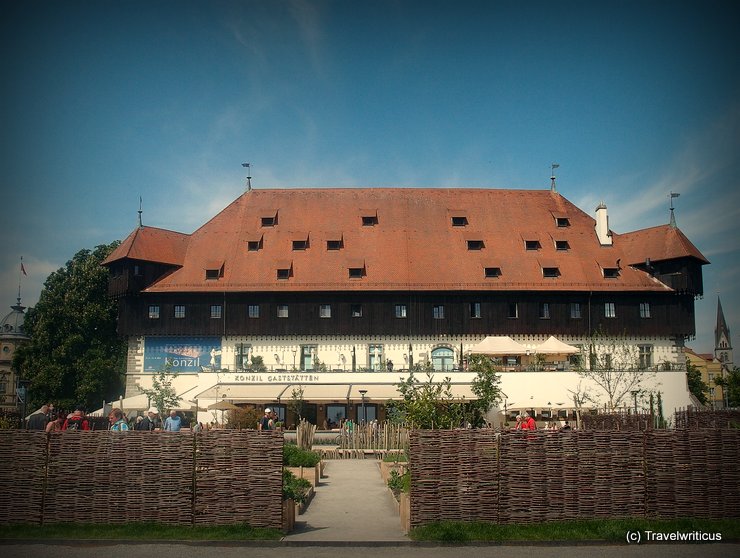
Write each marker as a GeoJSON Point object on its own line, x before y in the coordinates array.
{"type": "Point", "coordinates": [338, 291]}
{"type": "Point", "coordinates": [11, 336]}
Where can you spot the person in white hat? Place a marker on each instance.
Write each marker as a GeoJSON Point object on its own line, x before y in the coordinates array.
{"type": "Point", "coordinates": [266, 422]}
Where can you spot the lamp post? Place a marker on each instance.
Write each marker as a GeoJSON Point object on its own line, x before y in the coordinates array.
{"type": "Point", "coordinates": [364, 412]}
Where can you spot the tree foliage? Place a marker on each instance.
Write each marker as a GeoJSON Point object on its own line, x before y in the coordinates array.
{"type": "Point", "coordinates": [432, 404]}
{"type": "Point", "coordinates": [74, 355]}
{"type": "Point", "coordinates": [696, 385]}
{"type": "Point", "coordinates": [731, 385]}
{"type": "Point", "coordinates": [162, 395]}
{"type": "Point", "coordinates": [614, 367]}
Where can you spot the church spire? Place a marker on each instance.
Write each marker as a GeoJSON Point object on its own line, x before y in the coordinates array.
{"type": "Point", "coordinates": [722, 339]}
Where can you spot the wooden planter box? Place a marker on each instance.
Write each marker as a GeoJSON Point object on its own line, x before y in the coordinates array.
{"type": "Point", "coordinates": [386, 467]}
{"type": "Point", "coordinates": [311, 474]}
{"type": "Point", "coordinates": [405, 512]}
{"type": "Point", "coordinates": [289, 507]}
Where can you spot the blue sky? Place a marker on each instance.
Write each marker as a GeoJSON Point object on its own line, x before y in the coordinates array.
{"type": "Point", "coordinates": [103, 102]}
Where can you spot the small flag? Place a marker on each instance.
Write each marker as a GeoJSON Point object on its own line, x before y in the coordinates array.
{"type": "Point", "coordinates": [674, 195]}
{"type": "Point", "coordinates": [245, 165]}
{"type": "Point", "coordinates": [23, 270]}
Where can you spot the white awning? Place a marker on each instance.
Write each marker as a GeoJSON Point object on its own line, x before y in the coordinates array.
{"type": "Point", "coordinates": [501, 345]}
{"type": "Point", "coordinates": [554, 346]}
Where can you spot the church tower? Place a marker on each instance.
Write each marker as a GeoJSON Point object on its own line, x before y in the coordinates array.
{"type": "Point", "coordinates": [722, 340]}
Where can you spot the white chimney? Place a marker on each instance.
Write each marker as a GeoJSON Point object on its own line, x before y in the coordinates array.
{"type": "Point", "coordinates": [602, 226]}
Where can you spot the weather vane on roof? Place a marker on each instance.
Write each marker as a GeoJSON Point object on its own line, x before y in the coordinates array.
{"type": "Point", "coordinates": [140, 212]}
{"type": "Point", "coordinates": [673, 218]}
{"type": "Point", "coordinates": [249, 178]}
{"type": "Point", "coordinates": [552, 176]}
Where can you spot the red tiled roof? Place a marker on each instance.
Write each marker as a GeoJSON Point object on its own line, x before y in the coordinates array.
{"type": "Point", "coordinates": [659, 243]}
{"type": "Point", "coordinates": [413, 245]}
{"type": "Point", "coordinates": [153, 245]}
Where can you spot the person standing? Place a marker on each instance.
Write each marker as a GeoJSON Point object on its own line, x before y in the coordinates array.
{"type": "Point", "coordinates": [56, 424]}
{"type": "Point", "coordinates": [530, 423]}
{"type": "Point", "coordinates": [39, 419]}
{"type": "Point", "coordinates": [173, 423]}
{"type": "Point", "coordinates": [117, 420]}
{"type": "Point", "coordinates": [266, 422]}
{"type": "Point", "coordinates": [77, 421]}
{"type": "Point", "coordinates": [149, 422]}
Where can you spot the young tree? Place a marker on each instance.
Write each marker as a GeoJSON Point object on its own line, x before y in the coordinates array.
{"type": "Point", "coordinates": [696, 385]}
{"type": "Point", "coordinates": [74, 354]}
{"type": "Point", "coordinates": [296, 402]}
{"type": "Point", "coordinates": [162, 396]}
{"type": "Point", "coordinates": [614, 366]}
{"type": "Point", "coordinates": [731, 385]}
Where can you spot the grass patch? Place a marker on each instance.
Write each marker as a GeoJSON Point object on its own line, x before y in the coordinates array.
{"type": "Point", "coordinates": [614, 530]}
{"type": "Point", "coordinates": [139, 531]}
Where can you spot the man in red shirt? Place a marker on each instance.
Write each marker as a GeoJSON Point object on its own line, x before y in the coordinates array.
{"type": "Point", "coordinates": [77, 421]}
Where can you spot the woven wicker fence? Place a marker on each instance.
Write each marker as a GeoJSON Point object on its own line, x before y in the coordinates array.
{"type": "Point", "coordinates": [691, 419]}
{"type": "Point", "coordinates": [478, 475]}
{"type": "Point", "coordinates": [619, 421]}
{"type": "Point", "coordinates": [110, 477]}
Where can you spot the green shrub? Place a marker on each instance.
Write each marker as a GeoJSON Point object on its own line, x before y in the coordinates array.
{"type": "Point", "coordinates": [294, 488]}
{"type": "Point", "coordinates": [293, 456]}
{"type": "Point", "coordinates": [399, 482]}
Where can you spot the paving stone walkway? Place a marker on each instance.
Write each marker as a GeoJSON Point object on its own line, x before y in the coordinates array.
{"type": "Point", "coordinates": [351, 504]}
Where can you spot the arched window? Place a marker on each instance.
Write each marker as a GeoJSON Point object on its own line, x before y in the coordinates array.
{"type": "Point", "coordinates": [443, 358]}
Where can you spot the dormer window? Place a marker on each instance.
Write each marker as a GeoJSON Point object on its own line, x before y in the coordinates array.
{"type": "Point", "coordinates": [254, 244]}
{"type": "Point", "coordinates": [284, 270]}
{"type": "Point", "coordinates": [550, 272]}
{"type": "Point", "coordinates": [532, 244]}
{"type": "Point", "coordinates": [334, 241]}
{"type": "Point", "coordinates": [356, 269]}
{"type": "Point", "coordinates": [369, 217]}
{"type": "Point", "coordinates": [475, 244]}
{"type": "Point", "coordinates": [214, 271]}
{"type": "Point", "coordinates": [269, 219]}
{"type": "Point", "coordinates": [611, 272]}
{"type": "Point", "coordinates": [562, 222]}
{"type": "Point", "coordinates": [492, 272]}
{"type": "Point", "coordinates": [459, 221]}
{"type": "Point", "coordinates": [300, 245]}
{"type": "Point", "coordinates": [562, 245]}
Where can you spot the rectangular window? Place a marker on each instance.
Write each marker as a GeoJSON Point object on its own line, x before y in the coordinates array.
{"type": "Point", "coordinates": [137, 270]}
{"type": "Point", "coordinates": [254, 245]}
{"type": "Point", "coordinates": [475, 245]}
{"type": "Point", "coordinates": [216, 311]}
{"type": "Point", "coordinates": [459, 221]}
{"type": "Point", "coordinates": [438, 312]}
{"type": "Point", "coordinates": [179, 311]}
{"type": "Point", "coordinates": [475, 310]}
{"type": "Point", "coordinates": [644, 309]}
{"type": "Point", "coordinates": [562, 222]}
{"type": "Point", "coordinates": [369, 220]}
{"type": "Point", "coordinates": [609, 310]}
{"type": "Point", "coordinates": [646, 356]}
{"type": "Point", "coordinates": [545, 310]}
{"type": "Point", "coordinates": [356, 272]}
{"type": "Point", "coordinates": [282, 311]}
{"type": "Point", "coordinates": [575, 310]}
{"type": "Point", "coordinates": [550, 272]}
{"type": "Point", "coordinates": [325, 311]}
{"type": "Point", "coordinates": [154, 312]}
{"type": "Point", "coordinates": [212, 274]}
{"type": "Point", "coordinates": [562, 245]}
{"type": "Point", "coordinates": [375, 357]}
{"type": "Point", "coordinates": [400, 310]}
{"type": "Point", "coordinates": [513, 310]}
{"type": "Point", "coordinates": [611, 272]}
{"type": "Point", "coordinates": [269, 221]}
{"type": "Point", "coordinates": [608, 361]}
{"type": "Point", "coordinates": [334, 244]}
{"type": "Point", "coordinates": [532, 244]}
{"type": "Point", "coordinates": [300, 245]}
{"type": "Point", "coordinates": [283, 273]}
{"type": "Point", "coordinates": [355, 310]}
{"type": "Point", "coordinates": [492, 272]}
{"type": "Point", "coordinates": [253, 310]}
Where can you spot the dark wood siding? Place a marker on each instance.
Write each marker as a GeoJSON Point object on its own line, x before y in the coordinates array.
{"type": "Point", "coordinates": [670, 314]}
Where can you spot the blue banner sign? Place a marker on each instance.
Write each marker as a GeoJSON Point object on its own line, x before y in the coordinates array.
{"type": "Point", "coordinates": [182, 354]}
